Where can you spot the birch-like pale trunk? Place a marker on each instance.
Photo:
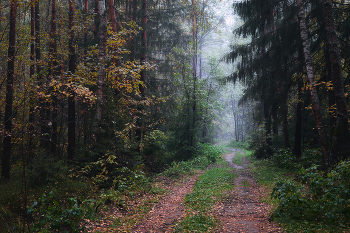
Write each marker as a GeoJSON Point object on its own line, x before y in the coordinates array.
{"type": "Point", "coordinates": [311, 79]}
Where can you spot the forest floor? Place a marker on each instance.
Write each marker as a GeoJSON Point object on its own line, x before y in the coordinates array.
{"type": "Point", "coordinates": [241, 211]}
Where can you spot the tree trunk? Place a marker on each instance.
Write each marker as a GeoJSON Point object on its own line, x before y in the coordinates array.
{"type": "Point", "coordinates": [71, 70]}
{"type": "Point", "coordinates": [52, 73]}
{"type": "Point", "coordinates": [86, 25]}
{"type": "Point", "coordinates": [285, 126]}
{"type": "Point", "coordinates": [194, 74]}
{"type": "Point", "coordinates": [133, 16]}
{"type": "Point", "coordinates": [144, 48]}
{"type": "Point", "coordinates": [85, 40]}
{"type": "Point", "coordinates": [267, 117]}
{"type": "Point", "coordinates": [42, 111]}
{"type": "Point", "coordinates": [31, 74]}
{"type": "Point", "coordinates": [102, 58]}
{"type": "Point", "coordinates": [114, 25]}
{"type": "Point", "coordinates": [311, 78]}
{"type": "Point", "coordinates": [299, 122]}
{"type": "Point", "coordinates": [340, 137]}
{"type": "Point", "coordinates": [97, 19]}
{"type": "Point", "coordinates": [331, 97]}
{"type": "Point", "coordinates": [6, 156]}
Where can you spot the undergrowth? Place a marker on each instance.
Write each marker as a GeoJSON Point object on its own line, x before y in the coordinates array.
{"type": "Point", "coordinates": [206, 155]}
{"type": "Point", "coordinates": [305, 199]}
{"type": "Point", "coordinates": [61, 202]}
{"type": "Point", "coordinates": [321, 200]}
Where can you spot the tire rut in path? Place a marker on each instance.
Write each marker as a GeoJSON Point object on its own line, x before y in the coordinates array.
{"type": "Point", "coordinates": [243, 210]}
{"type": "Point", "coordinates": [169, 208]}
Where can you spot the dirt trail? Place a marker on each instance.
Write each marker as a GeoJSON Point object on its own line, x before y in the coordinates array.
{"type": "Point", "coordinates": [243, 210]}
{"type": "Point", "coordinates": [169, 209]}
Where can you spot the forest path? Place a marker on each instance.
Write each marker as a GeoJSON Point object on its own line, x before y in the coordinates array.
{"type": "Point", "coordinates": [243, 210]}
{"type": "Point", "coordinates": [169, 208]}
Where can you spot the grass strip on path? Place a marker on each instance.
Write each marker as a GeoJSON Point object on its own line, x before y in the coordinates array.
{"type": "Point", "coordinates": [211, 188]}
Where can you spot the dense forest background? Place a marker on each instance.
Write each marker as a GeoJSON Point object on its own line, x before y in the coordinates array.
{"type": "Point", "coordinates": [85, 78]}
{"type": "Point", "coordinates": [106, 90]}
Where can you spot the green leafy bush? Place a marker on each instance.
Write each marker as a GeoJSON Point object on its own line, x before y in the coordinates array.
{"type": "Point", "coordinates": [318, 196]}
{"type": "Point", "coordinates": [106, 173]}
{"type": "Point", "coordinates": [311, 156]}
{"type": "Point", "coordinates": [241, 145]}
{"type": "Point", "coordinates": [211, 152]}
{"type": "Point", "coordinates": [178, 168]}
{"type": "Point", "coordinates": [51, 214]}
{"type": "Point", "coordinates": [263, 152]}
{"type": "Point", "coordinates": [155, 150]}
{"type": "Point", "coordinates": [45, 169]}
{"type": "Point", "coordinates": [206, 155]}
{"type": "Point", "coordinates": [284, 158]}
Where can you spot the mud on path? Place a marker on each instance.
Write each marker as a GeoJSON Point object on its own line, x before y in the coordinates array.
{"type": "Point", "coordinates": [243, 210]}
{"type": "Point", "coordinates": [169, 208]}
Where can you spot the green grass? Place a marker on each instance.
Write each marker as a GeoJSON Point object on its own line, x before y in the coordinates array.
{"type": "Point", "coordinates": [211, 188]}
{"type": "Point", "coordinates": [197, 223]}
{"type": "Point", "coordinates": [239, 155]}
{"type": "Point", "coordinates": [267, 174]}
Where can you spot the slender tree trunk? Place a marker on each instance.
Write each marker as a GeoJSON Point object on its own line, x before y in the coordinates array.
{"type": "Point", "coordinates": [285, 123]}
{"type": "Point", "coordinates": [102, 58]}
{"type": "Point", "coordinates": [85, 39]}
{"type": "Point", "coordinates": [311, 78]}
{"type": "Point", "coordinates": [194, 73]}
{"type": "Point", "coordinates": [243, 118]}
{"type": "Point", "coordinates": [142, 87]}
{"type": "Point", "coordinates": [331, 96]}
{"type": "Point", "coordinates": [112, 17]}
{"type": "Point", "coordinates": [133, 16]}
{"type": "Point", "coordinates": [234, 120]}
{"type": "Point", "coordinates": [274, 123]}
{"type": "Point", "coordinates": [97, 19]}
{"type": "Point", "coordinates": [267, 117]}
{"type": "Point", "coordinates": [86, 26]}
{"type": "Point", "coordinates": [340, 137]}
{"type": "Point", "coordinates": [299, 122]}
{"type": "Point", "coordinates": [144, 47]}
{"type": "Point", "coordinates": [71, 98]}
{"type": "Point", "coordinates": [52, 73]}
{"type": "Point", "coordinates": [31, 74]}
{"type": "Point", "coordinates": [6, 156]}
{"type": "Point", "coordinates": [43, 121]}
{"type": "Point", "coordinates": [114, 25]}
